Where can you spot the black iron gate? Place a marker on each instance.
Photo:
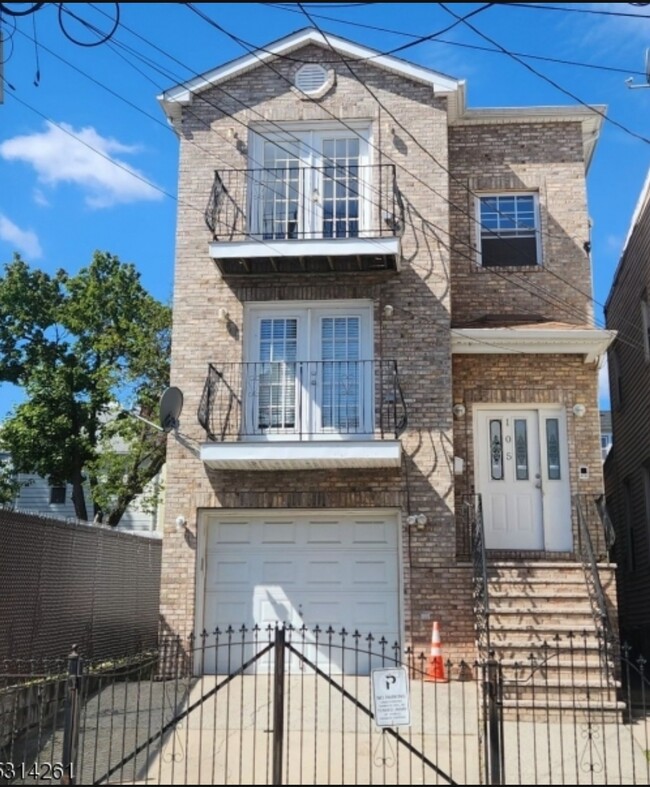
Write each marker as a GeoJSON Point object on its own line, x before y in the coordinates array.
{"type": "Point", "coordinates": [295, 706]}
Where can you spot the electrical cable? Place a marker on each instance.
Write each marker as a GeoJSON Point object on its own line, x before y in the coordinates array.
{"type": "Point", "coordinates": [104, 37]}
{"type": "Point", "coordinates": [475, 47]}
{"type": "Point", "coordinates": [550, 81]}
{"type": "Point", "coordinates": [533, 292]}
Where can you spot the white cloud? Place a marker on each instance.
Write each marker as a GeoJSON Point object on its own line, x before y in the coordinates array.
{"type": "Point", "coordinates": [24, 241]}
{"type": "Point", "coordinates": [41, 199]}
{"type": "Point", "coordinates": [608, 32]}
{"type": "Point", "coordinates": [82, 157]}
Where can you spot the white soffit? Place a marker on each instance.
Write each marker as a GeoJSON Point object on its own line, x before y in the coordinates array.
{"type": "Point", "coordinates": [174, 98]}
{"type": "Point", "coordinates": [591, 343]}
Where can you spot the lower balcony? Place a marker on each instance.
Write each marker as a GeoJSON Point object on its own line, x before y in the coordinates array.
{"type": "Point", "coordinates": [290, 415]}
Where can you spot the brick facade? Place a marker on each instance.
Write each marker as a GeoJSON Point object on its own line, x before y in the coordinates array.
{"type": "Point", "coordinates": [428, 288]}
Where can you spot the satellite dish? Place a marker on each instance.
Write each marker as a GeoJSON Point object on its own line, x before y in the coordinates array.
{"type": "Point", "coordinates": [171, 405]}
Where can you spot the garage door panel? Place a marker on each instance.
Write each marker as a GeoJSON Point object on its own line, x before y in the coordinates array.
{"type": "Point", "coordinates": [279, 571]}
{"type": "Point", "coordinates": [324, 572]}
{"type": "Point", "coordinates": [373, 615]}
{"type": "Point", "coordinates": [324, 533]}
{"type": "Point", "coordinates": [223, 574]}
{"type": "Point", "coordinates": [339, 570]}
{"type": "Point", "coordinates": [374, 572]}
{"type": "Point", "coordinates": [229, 533]}
{"type": "Point", "coordinates": [278, 533]}
{"type": "Point", "coordinates": [369, 532]}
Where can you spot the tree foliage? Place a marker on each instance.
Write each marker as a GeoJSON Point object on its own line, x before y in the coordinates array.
{"type": "Point", "coordinates": [81, 346]}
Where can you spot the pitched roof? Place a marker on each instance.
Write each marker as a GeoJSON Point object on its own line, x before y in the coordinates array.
{"type": "Point", "coordinates": [172, 99]}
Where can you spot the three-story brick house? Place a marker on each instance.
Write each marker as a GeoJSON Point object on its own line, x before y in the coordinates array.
{"type": "Point", "coordinates": [382, 316]}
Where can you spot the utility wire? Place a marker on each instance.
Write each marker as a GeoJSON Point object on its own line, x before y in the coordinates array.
{"type": "Point", "coordinates": [538, 292]}
{"type": "Point", "coordinates": [571, 310]}
{"type": "Point", "coordinates": [475, 47]}
{"type": "Point", "coordinates": [550, 81]}
{"type": "Point", "coordinates": [567, 10]}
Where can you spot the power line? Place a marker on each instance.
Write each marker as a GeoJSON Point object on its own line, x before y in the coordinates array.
{"type": "Point", "coordinates": [567, 10]}
{"type": "Point", "coordinates": [536, 291]}
{"type": "Point", "coordinates": [550, 81]}
{"type": "Point", "coordinates": [571, 310]}
{"type": "Point", "coordinates": [475, 47]}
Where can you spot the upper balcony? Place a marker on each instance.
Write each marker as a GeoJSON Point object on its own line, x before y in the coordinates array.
{"type": "Point", "coordinates": [339, 218]}
{"type": "Point", "coordinates": [280, 415]}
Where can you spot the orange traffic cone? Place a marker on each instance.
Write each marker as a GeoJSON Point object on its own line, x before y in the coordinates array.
{"type": "Point", "coordinates": [436, 667]}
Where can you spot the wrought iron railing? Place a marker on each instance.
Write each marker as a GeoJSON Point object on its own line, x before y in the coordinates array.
{"type": "Point", "coordinates": [473, 506]}
{"type": "Point", "coordinates": [295, 202]}
{"type": "Point", "coordinates": [597, 597]}
{"type": "Point", "coordinates": [598, 525]}
{"type": "Point", "coordinates": [302, 400]}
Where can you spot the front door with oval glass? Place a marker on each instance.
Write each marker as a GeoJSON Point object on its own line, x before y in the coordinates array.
{"type": "Point", "coordinates": [522, 477]}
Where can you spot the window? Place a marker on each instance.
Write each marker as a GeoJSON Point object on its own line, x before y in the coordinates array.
{"type": "Point", "coordinates": [57, 495]}
{"type": "Point", "coordinates": [310, 184]}
{"type": "Point", "coordinates": [309, 371]}
{"type": "Point", "coordinates": [645, 325]}
{"type": "Point", "coordinates": [509, 225]}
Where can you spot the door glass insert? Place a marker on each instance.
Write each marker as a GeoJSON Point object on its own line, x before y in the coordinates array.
{"type": "Point", "coordinates": [341, 373]}
{"type": "Point", "coordinates": [276, 373]}
{"type": "Point", "coordinates": [496, 450]}
{"type": "Point", "coordinates": [280, 187]}
{"type": "Point", "coordinates": [341, 188]}
{"type": "Point", "coordinates": [553, 448]}
{"type": "Point", "coordinates": [521, 449]}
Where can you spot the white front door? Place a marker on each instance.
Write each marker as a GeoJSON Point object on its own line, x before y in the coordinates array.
{"type": "Point", "coordinates": [522, 477]}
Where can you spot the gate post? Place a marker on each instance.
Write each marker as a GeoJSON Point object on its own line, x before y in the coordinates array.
{"type": "Point", "coordinates": [494, 752]}
{"type": "Point", "coordinates": [71, 721]}
{"type": "Point", "coordinates": [278, 705]}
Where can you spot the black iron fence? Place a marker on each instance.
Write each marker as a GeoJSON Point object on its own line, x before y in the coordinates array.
{"type": "Point", "coordinates": [294, 202]}
{"type": "Point", "coordinates": [302, 400]}
{"type": "Point", "coordinates": [280, 705]}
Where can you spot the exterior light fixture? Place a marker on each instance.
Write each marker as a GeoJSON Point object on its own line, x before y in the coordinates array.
{"type": "Point", "coordinates": [458, 410]}
{"type": "Point", "coordinates": [579, 410]}
{"type": "Point", "coordinates": [181, 524]}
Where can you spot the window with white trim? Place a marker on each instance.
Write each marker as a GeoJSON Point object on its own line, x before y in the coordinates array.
{"type": "Point", "coordinates": [309, 370]}
{"type": "Point", "coordinates": [311, 183]}
{"type": "Point", "coordinates": [508, 230]}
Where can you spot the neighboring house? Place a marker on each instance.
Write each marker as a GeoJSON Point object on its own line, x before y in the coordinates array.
{"type": "Point", "coordinates": [371, 331]}
{"type": "Point", "coordinates": [627, 469]}
{"type": "Point", "coordinates": [37, 495]}
{"type": "Point", "coordinates": [606, 434]}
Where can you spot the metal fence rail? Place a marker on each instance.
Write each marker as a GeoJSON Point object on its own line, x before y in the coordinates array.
{"type": "Point", "coordinates": [280, 705]}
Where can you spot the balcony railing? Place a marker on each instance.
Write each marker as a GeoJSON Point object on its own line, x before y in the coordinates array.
{"type": "Point", "coordinates": [334, 202]}
{"type": "Point", "coordinates": [302, 400]}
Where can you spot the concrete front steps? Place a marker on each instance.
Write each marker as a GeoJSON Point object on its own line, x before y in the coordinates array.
{"type": "Point", "coordinates": [542, 631]}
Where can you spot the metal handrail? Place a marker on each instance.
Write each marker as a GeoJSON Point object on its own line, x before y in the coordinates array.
{"type": "Point", "coordinates": [481, 586]}
{"type": "Point", "coordinates": [302, 399]}
{"type": "Point", "coordinates": [597, 598]}
{"type": "Point", "coordinates": [238, 197]}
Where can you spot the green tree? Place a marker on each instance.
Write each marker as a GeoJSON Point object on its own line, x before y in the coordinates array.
{"type": "Point", "coordinates": [80, 346]}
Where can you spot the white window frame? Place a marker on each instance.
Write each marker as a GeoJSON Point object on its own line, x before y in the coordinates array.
{"type": "Point", "coordinates": [309, 315]}
{"type": "Point", "coordinates": [308, 137]}
{"type": "Point", "coordinates": [479, 227]}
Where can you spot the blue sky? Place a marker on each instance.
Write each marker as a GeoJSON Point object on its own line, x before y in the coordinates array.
{"type": "Point", "coordinates": [87, 160]}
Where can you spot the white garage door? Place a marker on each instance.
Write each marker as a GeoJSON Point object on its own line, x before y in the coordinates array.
{"type": "Point", "coordinates": [313, 568]}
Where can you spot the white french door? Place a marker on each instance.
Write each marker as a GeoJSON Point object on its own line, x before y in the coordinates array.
{"type": "Point", "coordinates": [522, 476]}
{"type": "Point", "coordinates": [310, 184]}
{"type": "Point", "coordinates": [309, 373]}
